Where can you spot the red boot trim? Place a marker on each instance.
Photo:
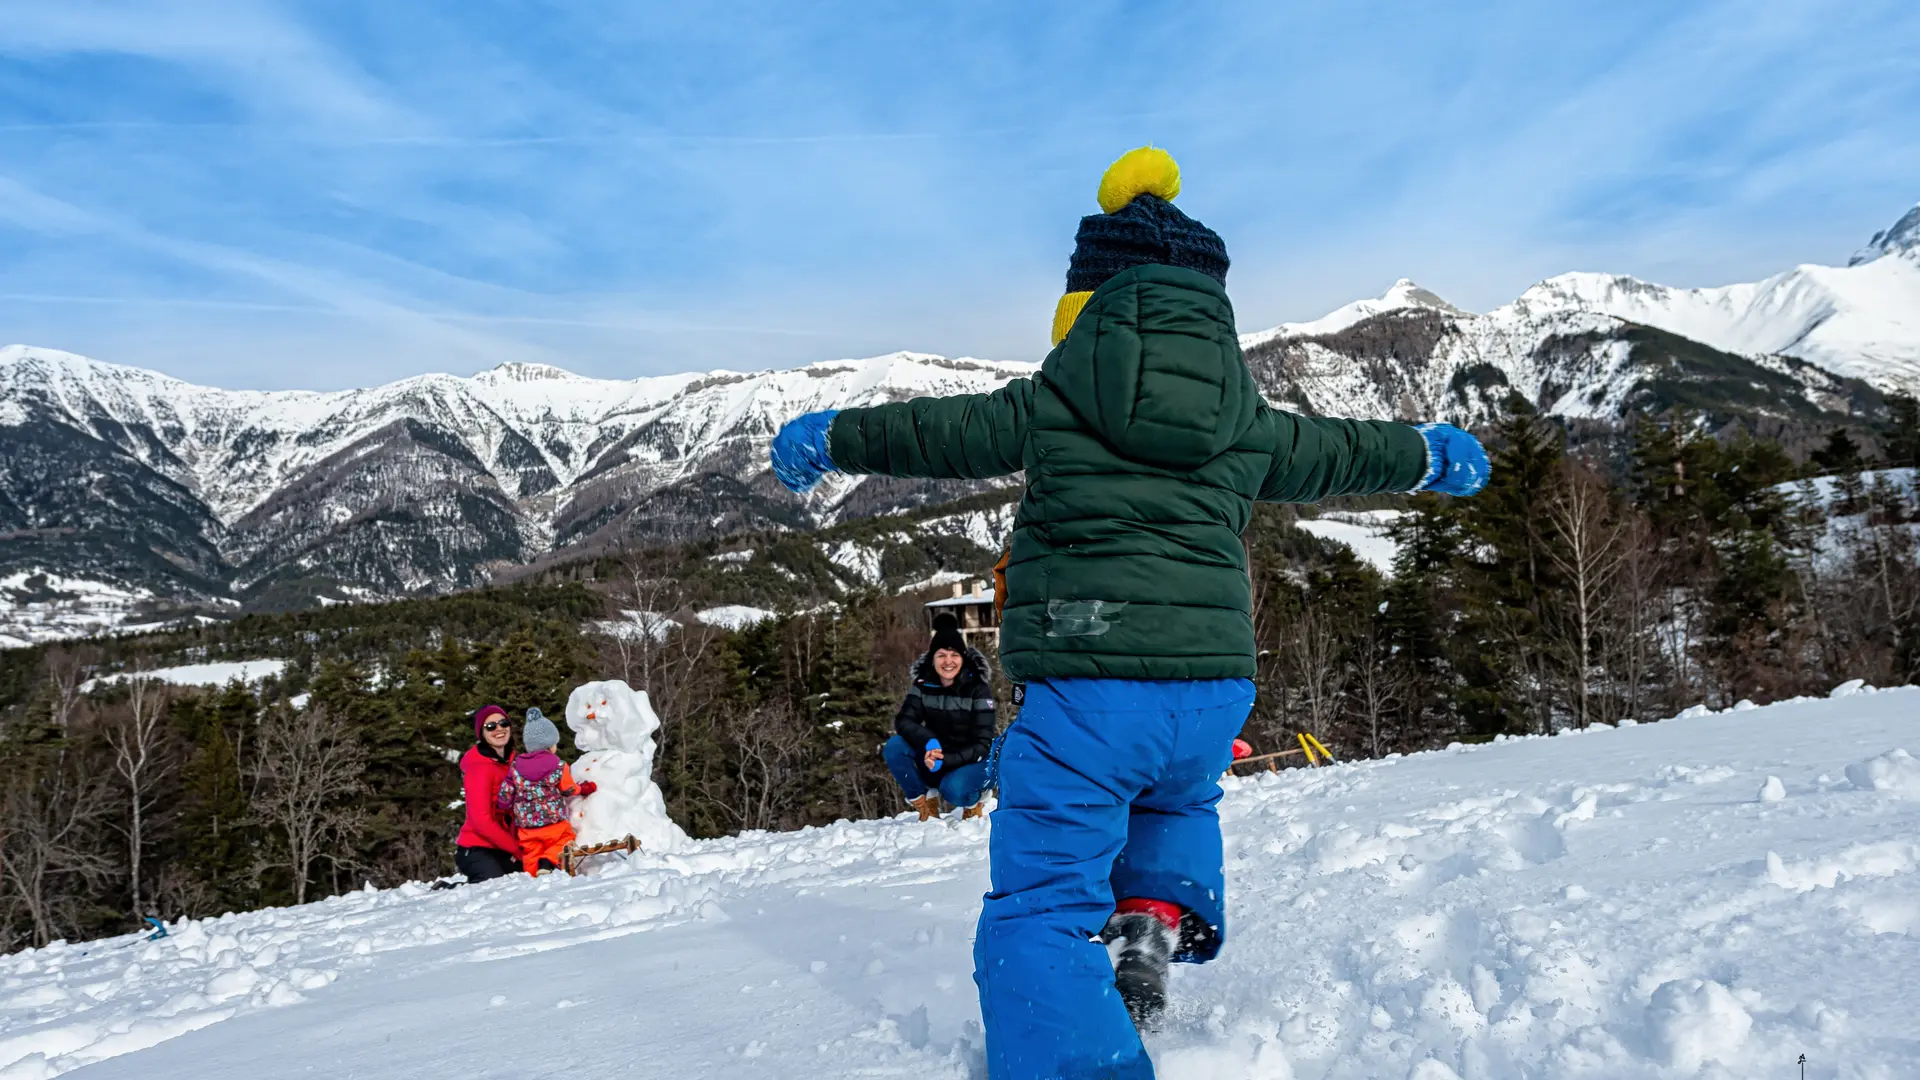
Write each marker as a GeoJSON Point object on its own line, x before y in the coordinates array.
{"type": "Point", "coordinates": [1164, 910]}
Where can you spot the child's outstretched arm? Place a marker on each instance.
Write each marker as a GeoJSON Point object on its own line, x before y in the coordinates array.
{"type": "Point", "coordinates": [968, 437]}
{"type": "Point", "coordinates": [1315, 458]}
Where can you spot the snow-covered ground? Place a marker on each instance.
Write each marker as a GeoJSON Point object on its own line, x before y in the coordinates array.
{"type": "Point", "coordinates": [219, 673]}
{"type": "Point", "coordinates": [1843, 535]}
{"type": "Point", "coordinates": [735, 616]}
{"type": "Point", "coordinates": [1364, 531]}
{"type": "Point", "coordinates": [1710, 896]}
{"type": "Point", "coordinates": [38, 606]}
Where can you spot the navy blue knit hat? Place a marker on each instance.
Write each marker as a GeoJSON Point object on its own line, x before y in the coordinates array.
{"type": "Point", "coordinates": [1147, 230]}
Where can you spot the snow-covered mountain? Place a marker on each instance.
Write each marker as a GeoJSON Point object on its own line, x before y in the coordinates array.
{"type": "Point", "coordinates": [1600, 346]}
{"type": "Point", "coordinates": [127, 475]}
{"type": "Point", "coordinates": [145, 485]}
{"type": "Point", "coordinates": [1902, 239]}
{"type": "Point", "coordinates": [1710, 896]}
{"type": "Point", "coordinates": [1861, 320]}
{"type": "Point", "coordinates": [1415, 357]}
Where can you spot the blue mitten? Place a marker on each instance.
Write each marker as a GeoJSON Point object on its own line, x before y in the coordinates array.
{"type": "Point", "coordinates": [934, 744]}
{"type": "Point", "coordinates": [799, 452]}
{"type": "Point", "coordinates": [1456, 464]}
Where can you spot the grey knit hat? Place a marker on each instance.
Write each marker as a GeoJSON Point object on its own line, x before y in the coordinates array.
{"type": "Point", "coordinates": [539, 733]}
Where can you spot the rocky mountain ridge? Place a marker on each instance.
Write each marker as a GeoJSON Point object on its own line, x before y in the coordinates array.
{"type": "Point", "coordinates": [157, 487]}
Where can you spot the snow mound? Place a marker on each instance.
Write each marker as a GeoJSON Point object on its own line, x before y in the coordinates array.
{"type": "Point", "coordinates": [1895, 772]}
{"type": "Point", "coordinates": [1694, 1021]}
{"type": "Point", "coordinates": [615, 723]}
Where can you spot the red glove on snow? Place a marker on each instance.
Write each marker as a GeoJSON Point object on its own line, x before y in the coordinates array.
{"type": "Point", "coordinates": [586, 788]}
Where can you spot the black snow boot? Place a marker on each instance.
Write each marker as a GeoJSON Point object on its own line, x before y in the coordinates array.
{"type": "Point", "coordinates": [1141, 947]}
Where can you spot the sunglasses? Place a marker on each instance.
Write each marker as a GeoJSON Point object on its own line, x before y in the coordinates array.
{"type": "Point", "coordinates": [497, 725]}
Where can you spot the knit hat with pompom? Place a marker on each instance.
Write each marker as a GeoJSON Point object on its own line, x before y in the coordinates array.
{"type": "Point", "coordinates": [1139, 225]}
{"type": "Point", "coordinates": [539, 733]}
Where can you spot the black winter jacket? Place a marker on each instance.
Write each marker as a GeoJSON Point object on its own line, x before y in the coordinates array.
{"type": "Point", "coordinates": [961, 716]}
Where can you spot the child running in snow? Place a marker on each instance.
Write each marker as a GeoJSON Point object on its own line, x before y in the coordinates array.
{"type": "Point", "coordinates": [534, 796]}
{"type": "Point", "coordinates": [1145, 444]}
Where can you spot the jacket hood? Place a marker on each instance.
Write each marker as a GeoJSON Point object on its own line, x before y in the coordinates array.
{"type": "Point", "coordinates": [538, 765]}
{"type": "Point", "coordinates": [1153, 367]}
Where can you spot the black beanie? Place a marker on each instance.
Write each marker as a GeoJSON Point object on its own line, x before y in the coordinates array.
{"type": "Point", "coordinates": [946, 635]}
{"type": "Point", "coordinates": [1148, 229]}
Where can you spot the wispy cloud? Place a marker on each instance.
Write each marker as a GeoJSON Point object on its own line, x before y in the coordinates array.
{"type": "Point", "coordinates": [325, 193]}
{"type": "Point", "coordinates": [255, 55]}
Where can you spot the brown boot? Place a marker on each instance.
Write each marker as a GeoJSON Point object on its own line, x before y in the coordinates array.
{"type": "Point", "coordinates": [928, 805]}
{"type": "Point", "coordinates": [978, 809]}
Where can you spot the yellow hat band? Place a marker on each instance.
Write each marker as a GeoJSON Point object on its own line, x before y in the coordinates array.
{"type": "Point", "coordinates": [1067, 311]}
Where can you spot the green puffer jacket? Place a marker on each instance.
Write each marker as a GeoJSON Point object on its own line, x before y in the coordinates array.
{"type": "Point", "coordinates": [1145, 444]}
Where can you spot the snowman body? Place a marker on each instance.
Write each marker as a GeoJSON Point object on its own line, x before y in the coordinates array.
{"type": "Point", "coordinates": [614, 725]}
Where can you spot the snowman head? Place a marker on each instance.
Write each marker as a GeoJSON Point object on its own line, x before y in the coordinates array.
{"type": "Point", "coordinates": [611, 716]}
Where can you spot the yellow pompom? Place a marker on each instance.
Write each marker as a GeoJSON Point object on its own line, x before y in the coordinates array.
{"type": "Point", "coordinates": [1148, 170]}
{"type": "Point", "coordinates": [1067, 310]}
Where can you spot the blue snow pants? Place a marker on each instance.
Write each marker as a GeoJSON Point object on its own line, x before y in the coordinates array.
{"type": "Point", "coordinates": [960, 785]}
{"type": "Point", "coordinates": [1108, 791]}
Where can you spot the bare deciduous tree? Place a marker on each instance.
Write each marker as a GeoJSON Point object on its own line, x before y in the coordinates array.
{"type": "Point", "coordinates": [143, 757]}
{"type": "Point", "coordinates": [67, 667]}
{"type": "Point", "coordinates": [768, 780]}
{"type": "Point", "coordinates": [1314, 655]}
{"type": "Point", "coordinates": [1379, 681]}
{"type": "Point", "coordinates": [1588, 555]}
{"type": "Point", "coordinates": [658, 643]}
{"type": "Point", "coordinates": [52, 855]}
{"type": "Point", "coordinates": [1630, 644]}
{"type": "Point", "coordinates": [305, 772]}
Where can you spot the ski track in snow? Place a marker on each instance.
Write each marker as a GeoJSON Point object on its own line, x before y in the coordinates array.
{"type": "Point", "coordinates": [1710, 896]}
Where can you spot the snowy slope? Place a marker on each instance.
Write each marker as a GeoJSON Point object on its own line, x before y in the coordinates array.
{"type": "Point", "coordinates": [1710, 896]}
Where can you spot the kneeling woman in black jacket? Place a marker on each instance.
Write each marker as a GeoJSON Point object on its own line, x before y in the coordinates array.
{"type": "Point", "coordinates": [945, 727]}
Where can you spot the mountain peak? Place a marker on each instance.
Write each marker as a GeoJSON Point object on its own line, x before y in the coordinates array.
{"type": "Point", "coordinates": [515, 371]}
{"type": "Point", "coordinates": [1407, 293]}
{"type": "Point", "coordinates": [1402, 295]}
{"type": "Point", "coordinates": [1902, 239]}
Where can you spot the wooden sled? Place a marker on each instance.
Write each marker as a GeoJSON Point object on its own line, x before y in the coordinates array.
{"type": "Point", "coordinates": [571, 855]}
{"type": "Point", "coordinates": [1310, 746]}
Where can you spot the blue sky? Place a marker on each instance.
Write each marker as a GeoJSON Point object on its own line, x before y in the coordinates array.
{"type": "Point", "coordinates": [329, 194]}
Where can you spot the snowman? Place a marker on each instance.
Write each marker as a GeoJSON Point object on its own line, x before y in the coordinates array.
{"type": "Point", "coordinates": [614, 725]}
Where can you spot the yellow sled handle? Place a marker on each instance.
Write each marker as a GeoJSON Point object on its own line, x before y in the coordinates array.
{"type": "Point", "coordinates": [1310, 745]}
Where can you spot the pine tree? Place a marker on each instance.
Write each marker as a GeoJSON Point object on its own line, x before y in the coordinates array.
{"type": "Point", "coordinates": [853, 716]}
{"type": "Point", "coordinates": [217, 833]}
{"type": "Point", "coordinates": [1507, 573]}
{"type": "Point", "coordinates": [1841, 459]}
{"type": "Point", "coordinates": [1421, 608]}
{"type": "Point", "coordinates": [1903, 431]}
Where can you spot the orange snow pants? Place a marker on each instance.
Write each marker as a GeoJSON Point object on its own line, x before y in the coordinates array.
{"type": "Point", "coordinates": [545, 842]}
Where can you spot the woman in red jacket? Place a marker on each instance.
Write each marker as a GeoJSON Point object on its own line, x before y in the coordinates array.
{"type": "Point", "coordinates": [487, 847]}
